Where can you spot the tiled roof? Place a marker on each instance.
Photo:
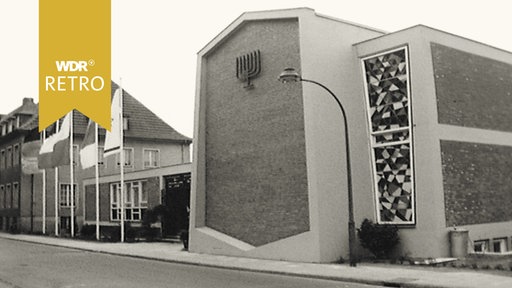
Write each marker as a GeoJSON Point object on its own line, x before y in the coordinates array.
{"type": "Point", "coordinates": [142, 123]}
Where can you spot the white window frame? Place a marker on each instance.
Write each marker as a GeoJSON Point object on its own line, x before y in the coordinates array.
{"type": "Point", "coordinates": [65, 195]}
{"type": "Point", "coordinates": [134, 205]}
{"type": "Point", "coordinates": [132, 158]}
{"type": "Point", "coordinates": [502, 242]}
{"type": "Point", "coordinates": [484, 246]}
{"type": "Point", "coordinates": [144, 150]}
{"type": "Point", "coordinates": [409, 141]}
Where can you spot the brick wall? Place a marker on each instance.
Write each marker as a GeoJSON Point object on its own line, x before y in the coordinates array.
{"type": "Point", "coordinates": [90, 202]}
{"type": "Point", "coordinates": [472, 91]}
{"type": "Point", "coordinates": [256, 186]}
{"type": "Point", "coordinates": [477, 181]}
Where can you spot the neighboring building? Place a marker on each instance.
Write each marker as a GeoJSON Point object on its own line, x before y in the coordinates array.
{"type": "Point", "coordinates": [428, 121]}
{"type": "Point", "coordinates": [153, 151]}
{"type": "Point", "coordinates": [15, 128]}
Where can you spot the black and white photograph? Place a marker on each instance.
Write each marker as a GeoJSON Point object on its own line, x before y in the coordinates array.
{"type": "Point", "coordinates": [264, 144]}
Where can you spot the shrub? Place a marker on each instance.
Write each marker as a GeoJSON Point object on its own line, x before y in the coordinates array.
{"type": "Point", "coordinates": [379, 239]}
{"type": "Point", "coordinates": [88, 231]}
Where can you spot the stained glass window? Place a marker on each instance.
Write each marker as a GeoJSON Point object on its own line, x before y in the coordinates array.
{"type": "Point", "coordinates": [388, 99]}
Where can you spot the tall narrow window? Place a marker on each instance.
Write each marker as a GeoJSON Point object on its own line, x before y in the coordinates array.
{"type": "Point", "coordinates": [2, 160]}
{"type": "Point", "coordinates": [65, 195]}
{"type": "Point", "coordinates": [388, 104]}
{"type": "Point", "coordinates": [8, 158]}
{"type": "Point", "coordinates": [2, 196]}
{"type": "Point", "coordinates": [16, 155]}
{"type": "Point", "coordinates": [8, 196]}
{"type": "Point", "coordinates": [15, 194]}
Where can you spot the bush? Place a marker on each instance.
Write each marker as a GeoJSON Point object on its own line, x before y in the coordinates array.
{"type": "Point", "coordinates": [88, 231]}
{"type": "Point", "coordinates": [379, 239]}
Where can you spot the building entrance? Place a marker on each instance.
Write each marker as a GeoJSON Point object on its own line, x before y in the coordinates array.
{"type": "Point", "coordinates": [176, 198]}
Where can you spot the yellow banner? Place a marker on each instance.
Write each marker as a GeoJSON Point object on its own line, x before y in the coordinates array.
{"type": "Point", "coordinates": [74, 60]}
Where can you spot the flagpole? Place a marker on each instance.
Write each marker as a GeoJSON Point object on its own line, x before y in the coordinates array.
{"type": "Point", "coordinates": [57, 191]}
{"type": "Point", "coordinates": [97, 176]}
{"type": "Point", "coordinates": [121, 158]}
{"type": "Point", "coordinates": [72, 209]}
{"type": "Point", "coordinates": [44, 191]}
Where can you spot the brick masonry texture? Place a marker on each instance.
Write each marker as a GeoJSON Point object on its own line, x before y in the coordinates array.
{"type": "Point", "coordinates": [476, 180]}
{"type": "Point", "coordinates": [90, 202]}
{"type": "Point", "coordinates": [472, 91]}
{"type": "Point", "coordinates": [256, 181]}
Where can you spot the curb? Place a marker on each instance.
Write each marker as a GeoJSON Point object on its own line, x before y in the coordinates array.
{"type": "Point", "coordinates": [347, 279]}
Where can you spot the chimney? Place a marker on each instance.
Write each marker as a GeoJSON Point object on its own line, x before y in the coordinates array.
{"type": "Point", "coordinates": [28, 101]}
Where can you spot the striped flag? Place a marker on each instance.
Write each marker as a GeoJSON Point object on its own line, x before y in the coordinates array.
{"type": "Point", "coordinates": [113, 137]}
{"type": "Point", "coordinates": [54, 151]}
{"type": "Point", "coordinates": [89, 151]}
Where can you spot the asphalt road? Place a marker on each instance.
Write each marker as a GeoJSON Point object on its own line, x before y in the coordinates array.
{"type": "Point", "coordinates": [28, 265]}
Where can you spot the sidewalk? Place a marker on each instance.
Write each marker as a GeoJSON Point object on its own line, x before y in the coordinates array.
{"type": "Point", "coordinates": [376, 274]}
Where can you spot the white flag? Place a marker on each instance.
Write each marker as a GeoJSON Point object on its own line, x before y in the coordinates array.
{"type": "Point", "coordinates": [113, 138]}
{"type": "Point", "coordinates": [54, 151]}
{"type": "Point", "coordinates": [89, 150]}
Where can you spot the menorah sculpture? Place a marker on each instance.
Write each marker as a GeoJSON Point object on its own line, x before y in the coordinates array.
{"type": "Point", "coordinates": [248, 66]}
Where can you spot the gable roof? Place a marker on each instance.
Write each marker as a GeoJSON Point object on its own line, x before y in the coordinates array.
{"type": "Point", "coordinates": [142, 122]}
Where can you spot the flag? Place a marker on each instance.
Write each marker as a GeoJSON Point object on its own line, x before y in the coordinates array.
{"type": "Point", "coordinates": [29, 153]}
{"type": "Point", "coordinates": [55, 150]}
{"type": "Point", "coordinates": [89, 150]}
{"type": "Point", "coordinates": [113, 137]}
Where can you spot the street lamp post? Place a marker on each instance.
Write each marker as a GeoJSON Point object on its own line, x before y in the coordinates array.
{"type": "Point", "coordinates": [290, 75]}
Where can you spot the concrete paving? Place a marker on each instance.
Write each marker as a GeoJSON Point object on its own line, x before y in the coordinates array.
{"type": "Point", "coordinates": [376, 274]}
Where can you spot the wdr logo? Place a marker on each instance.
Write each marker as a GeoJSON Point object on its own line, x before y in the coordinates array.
{"type": "Point", "coordinates": [72, 66]}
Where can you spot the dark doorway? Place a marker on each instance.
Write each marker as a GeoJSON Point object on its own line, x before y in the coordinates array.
{"type": "Point", "coordinates": [65, 226]}
{"type": "Point", "coordinates": [176, 197]}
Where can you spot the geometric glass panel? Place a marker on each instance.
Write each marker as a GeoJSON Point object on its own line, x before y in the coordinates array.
{"type": "Point", "coordinates": [396, 136]}
{"type": "Point", "coordinates": [388, 98]}
{"type": "Point", "coordinates": [393, 176]}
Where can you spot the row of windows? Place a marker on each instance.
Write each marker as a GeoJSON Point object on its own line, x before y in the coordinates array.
{"type": "Point", "coordinates": [497, 245]}
{"type": "Point", "coordinates": [135, 199]}
{"type": "Point", "coordinates": [10, 156]}
{"type": "Point", "coordinates": [8, 126]}
{"type": "Point", "coordinates": [151, 157]}
{"type": "Point", "coordinates": [9, 195]}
